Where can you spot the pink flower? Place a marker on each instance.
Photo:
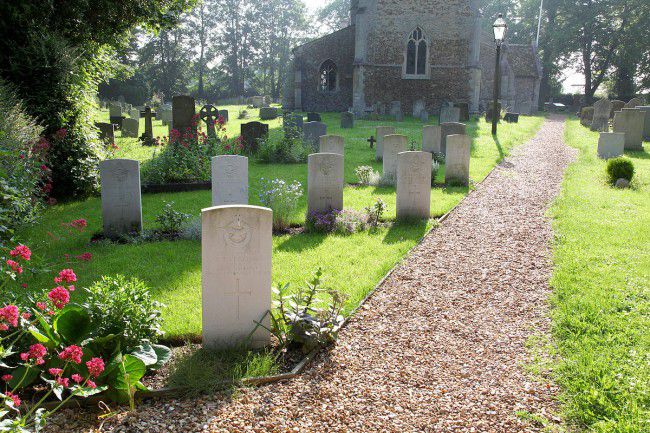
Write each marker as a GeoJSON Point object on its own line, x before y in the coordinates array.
{"type": "Point", "coordinates": [36, 352]}
{"type": "Point", "coordinates": [63, 381]}
{"type": "Point", "coordinates": [10, 315]}
{"type": "Point", "coordinates": [4, 327]}
{"type": "Point", "coordinates": [7, 377]}
{"type": "Point", "coordinates": [66, 275]}
{"type": "Point", "coordinates": [44, 167]}
{"type": "Point", "coordinates": [56, 372]}
{"type": "Point", "coordinates": [15, 266]}
{"type": "Point", "coordinates": [59, 297]}
{"type": "Point", "coordinates": [26, 316]}
{"type": "Point", "coordinates": [85, 257]}
{"type": "Point", "coordinates": [21, 250]}
{"type": "Point", "coordinates": [72, 353]}
{"type": "Point", "coordinates": [95, 366]}
{"type": "Point", "coordinates": [79, 224]}
{"type": "Point", "coordinates": [91, 384]}
{"type": "Point", "coordinates": [14, 398]}
{"type": "Point", "coordinates": [41, 306]}
{"type": "Point", "coordinates": [77, 378]}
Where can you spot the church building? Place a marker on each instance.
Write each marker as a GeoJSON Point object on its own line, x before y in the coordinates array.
{"type": "Point", "coordinates": [422, 53]}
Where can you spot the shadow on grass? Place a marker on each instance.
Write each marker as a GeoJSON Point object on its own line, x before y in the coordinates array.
{"type": "Point", "coordinates": [405, 230]}
{"type": "Point", "coordinates": [638, 154]}
{"type": "Point", "coordinates": [302, 242]}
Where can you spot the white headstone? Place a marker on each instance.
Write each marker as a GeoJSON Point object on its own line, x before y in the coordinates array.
{"type": "Point", "coordinates": [324, 182]}
{"type": "Point", "coordinates": [121, 203]}
{"type": "Point", "coordinates": [449, 113]}
{"type": "Point", "coordinates": [229, 180]}
{"type": "Point", "coordinates": [449, 128]}
{"type": "Point", "coordinates": [332, 144]}
{"type": "Point", "coordinates": [611, 144]}
{"type": "Point", "coordinates": [457, 158]}
{"type": "Point", "coordinates": [393, 144]}
{"type": "Point", "coordinates": [431, 138]}
{"type": "Point", "coordinates": [414, 185]}
{"type": "Point", "coordinates": [631, 122]}
{"type": "Point", "coordinates": [236, 246]}
{"type": "Point", "coordinates": [418, 108]}
{"type": "Point", "coordinates": [382, 131]}
{"type": "Point", "coordinates": [130, 127]}
{"type": "Point", "coordinates": [312, 132]}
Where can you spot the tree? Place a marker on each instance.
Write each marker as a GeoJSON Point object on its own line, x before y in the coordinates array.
{"type": "Point", "coordinates": [335, 15]}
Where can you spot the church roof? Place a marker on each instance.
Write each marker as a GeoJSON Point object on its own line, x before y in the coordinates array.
{"type": "Point", "coordinates": [523, 60]}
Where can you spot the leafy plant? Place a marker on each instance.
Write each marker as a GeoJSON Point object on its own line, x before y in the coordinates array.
{"type": "Point", "coordinates": [171, 221]}
{"type": "Point", "coordinates": [620, 168]}
{"type": "Point", "coordinates": [366, 175]}
{"type": "Point", "coordinates": [282, 198]}
{"type": "Point", "coordinates": [376, 212]}
{"type": "Point", "coordinates": [289, 149]}
{"type": "Point", "coordinates": [344, 221]}
{"type": "Point", "coordinates": [435, 168]}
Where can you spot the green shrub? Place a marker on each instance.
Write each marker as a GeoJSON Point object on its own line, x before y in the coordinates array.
{"type": "Point", "coordinates": [282, 198]}
{"type": "Point", "coordinates": [123, 307]}
{"type": "Point", "coordinates": [620, 168]}
{"type": "Point", "coordinates": [289, 149]}
{"type": "Point", "coordinates": [171, 221]}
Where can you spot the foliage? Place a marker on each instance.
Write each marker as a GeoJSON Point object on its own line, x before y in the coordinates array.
{"type": "Point", "coordinates": [171, 221]}
{"type": "Point", "coordinates": [23, 173]}
{"type": "Point", "coordinates": [376, 212]}
{"type": "Point", "coordinates": [282, 197]}
{"type": "Point", "coordinates": [620, 168]}
{"type": "Point", "coordinates": [366, 175]}
{"type": "Point", "coordinates": [288, 149]}
{"type": "Point", "coordinates": [344, 221]}
{"type": "Point", "coordinates": [310, 317]}
{"type": "Point", "coordinates": [435, 168]}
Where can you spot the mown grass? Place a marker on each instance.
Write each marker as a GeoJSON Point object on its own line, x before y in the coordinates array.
{"type": "Point", "coordinates": [601, 300]}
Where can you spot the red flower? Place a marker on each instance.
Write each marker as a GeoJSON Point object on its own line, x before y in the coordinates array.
{"type": "Point", "coordinates": [24, 285]}
{"type": "Point", "coordinates": [85, 257]}
{"type": "Point", "coordinates": [21, 250]}
{"type": "Point", "coordinates": [7, 377]}
{"type": "Point", "coordinates": [66, 275]}
{"type": "Point", "coordinates": [44, 167]}
{"type": "Point", "coordinates": [72, 353]}
{"type": "Point", "coordinates": [9, 314]}
{"type": "Point", "coordinates": [91, 384]}
{"type": "Point", "coordinates": [95, 366]}
{"type": "Point", "coordinates": [36, 352]}
{"type": "Point", "coordinates": [63, 381]}
{"type": "Point", "coordinates": [15, 266]}
{"type": "Point", "coordinates": [59, 297]}
{"type": "Point", "coordinates": [56, 372]}
{"type": "Point", "coordinates": [26, 316]}
{"type": "Point", "coordinates": [14, 398]}
{"type": "Point", "coordinates": [77, 224]}
{"type": "Point", "coordinates": [41, 306]}
{"type": "Point", "coordinates": [77, 378]}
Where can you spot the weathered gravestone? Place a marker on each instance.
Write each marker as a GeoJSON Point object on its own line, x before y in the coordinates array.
{"type": "Point", "coordinates": [257, 101]}
{"type": "Point", "coordinates": [134, 113]}
{"type": "Point", "coordinates": [251, 133]}
{"type": "Point", "coordinates": [586, 116]}
{"type": "Point", "coordinates": [115, 114]}
{"type": "Point", "coordinates": [631, 122]}
{"type": "Point", "coordinates": [447, 129]}
{"type": "Point", "coordinates": [106, 132]}
{"type": "Point", "coordinates": [431, 139]}
{"type": "Point", "coordinates": [225, 115]}
{"type": "Point", "coordinates": [236, 247]}
{"type": "Point", "coordinates": [490, 109]}
{"type": "Point", "coordinates": [600, 120]}
{"type": "Point", "coordinates": [611, 144]}
{"type": "Point", "coordinates": [464, 110]}
{"type": "Point", "coordinates": [312, 132]}
{"type": "Point", "coordinates": [449, 113]}
{"type": "Point", "coordinates": [646, 122]}
{"type": "Point", "coordinates": [166, 117]}
{"type": "Point", "coordinates": [121, 204]}
{"type": "Point", "coordinates": [393, 144]}
{"type": "Point", "coordinates": [229, 180]}
{"type": "Point", "coordinates": [268, 113]}
{"type": "Point", "coordinates": [313, 117]}
{"type": "Point", "coordinates": [457, 158]}
{"type": "Point", "coordinates": [399, 117]}
{"type": "Point", "coordinates": [382, 131]}
{"type": "Point", "coordinates": [332, 144]}
{"type": "Point", "coordinates": [395, 108]}
{"type": "Point", "coordinates": [418, 108]}
{"type": "Point", "coordinates": [634, 102]}
{"type": "Point", "coordinates": [209, 114]}
{"type": "Point", "coordinates": [414, 185]}
{"type": "Point", "coordinates": [347, 120]}
{"type": "Point", "coordinates": [324, 182]}
{"type": "Point", "coordinates": [424, 116]}
{"type": "Point", "coordinates": [147, 135]}
{"type": "Point", "coordinates": [511, 117]}
{"type": "Point", "coordinates": [616, 106]}
{"type": "Point", "coordinates": [183, 114]}
{"type": "Point", "coordinates": [130, 127]}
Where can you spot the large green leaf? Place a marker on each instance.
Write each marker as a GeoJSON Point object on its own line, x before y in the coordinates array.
{"type": "Point", "coordinates": [23, 375]}
{"type": "Point", "coordinates": [146, 353]}
{"type": "Point", "coordinates": [122, 374]}
{"type": "Point", "coordinates": [163, 354]}
{"type": "Point", "coordinates": [73, 323]}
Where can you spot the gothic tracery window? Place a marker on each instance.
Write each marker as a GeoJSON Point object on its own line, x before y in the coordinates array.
{"type": "Point", "coordinates": [416, 54]}
{"type": "Point", "coordinates": [328, 78]}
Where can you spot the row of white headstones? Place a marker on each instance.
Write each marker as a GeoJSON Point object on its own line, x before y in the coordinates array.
{"type": "Point", "coordinates": [236, 238]}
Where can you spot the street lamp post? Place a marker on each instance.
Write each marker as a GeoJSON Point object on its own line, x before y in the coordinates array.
{"type": "Point", "coordinates": [500, 28]}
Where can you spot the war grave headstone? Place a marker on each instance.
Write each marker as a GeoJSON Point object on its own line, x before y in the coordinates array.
{"type": "Point", "coordinates": [449, 113]}
{"type": "Point", "coordinates": [347, 120]}
{"type": "Point", "coordinates": [313, 117]}
{"type": "Point", "coordinates": [382, 131]}
{"type": "Point", "coordinates": [312, 132]}
{"type": "Point", "coordinates": [251, 133]}
{"type": "Point", "coordinates": [130, 127]}
{"type": "Point", "coordinates": [631, 122]}
{"type": "Point", "coordinates": [600, 120]}
{"type": "Point", "coordinates": [209, 114]}
{"type": "Point", "coordinates": [611, 144]}
{"type": "Point", "coordinates": [324, 182]}
{"type": "Point", "coordinates": [121, 202]}
{"type": "Point", "coordinates": [229, 180]}
{"type": "Point", "coordinates": [147, 135]}
{"type": "Point", "coordinates": [106, 132]}
{"type": "Point", "coordinates": [332, 144]}
{"type": "Point", "coordinates": [236, 248]}
{"type": "Point", "coordinates": [414, 185]}
{"type": "Point", "coordinates": [450, 128]}
{"type": "Point", "coordinates": [393, 144]}
{"type": "Point", "coordinates": [268, 113]}
{"type": "Point", "coordinates": [457, 159]}
{"type": "Point", "coordinates": [431, 139]}
{"type": "Point", "coordinates": [183, 114]}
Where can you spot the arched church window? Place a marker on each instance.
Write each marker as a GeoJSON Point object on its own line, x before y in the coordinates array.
{"type": "Point", "coordinates": [328, 76]}
{"type": "Point", "coordinates": [416, 54]}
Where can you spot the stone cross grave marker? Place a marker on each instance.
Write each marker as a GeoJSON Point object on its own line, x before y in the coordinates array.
{"type": "Point", "coordinates": [130, 127]}
{"type": "Point", "coordinates": [457, 158]}
{"type": "Point", "coordinates": [251, 133]}
{"type": "Point", "coordinates": [324, 182]}
{"type": "Point", "coordinates": [382, 131]}
{"type": "Point", "coordinates": [147, 135]}
{"type": "Point", "coordinates": [121, 203]}
{"type": "Point", "coordinates": [611, 144]}
{"type": "Point", "coordinates": [600, 121]}
{"type": "Point", "coordinates": [372, 141]}
{"type": "Point", "coordinates": [449, 128]}
{"type": "Point", "coordinates": [414, 185]}
{"type": "Point", "coordinates": [229, 180]}
{"type": "Point", "coordinates": [236, 246]}
{"type": "Point", "coordinates": [332, 144]}
{"type": "Point", "coordinates": [183, 112]}
{"type": "Point", "coordinates": [210, 114]}
{"type": "Point", "coordinates": [431, 138]}
{"type": "Point", "coordinates": [312, 132]}
{"type": "Point", "coordinates": [393, 144]}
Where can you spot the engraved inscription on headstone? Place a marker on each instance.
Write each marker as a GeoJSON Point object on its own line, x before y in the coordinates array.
{"type": "Point", "coordinates": [324, 182]}
{"type": "Point", "coordinates": [431, 138]}
{"type": "Point", "coordinates": [229, 180]}
{"type": "Point", "coordinates": [450, 128]}
{"type": "Point", "coordinates": [331, 144]}
{"type": "Point", "coordinates": [414, 185]}
{"type": "Point", "coordinates": [393, 144]}
{"type": "Point", "coordinates": [457, 159]}
{"type": "Point", "coordinates": [121, 203]}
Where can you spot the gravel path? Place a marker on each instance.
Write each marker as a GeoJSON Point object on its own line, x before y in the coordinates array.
{"type": "Point", "coordinates": [440, 347]}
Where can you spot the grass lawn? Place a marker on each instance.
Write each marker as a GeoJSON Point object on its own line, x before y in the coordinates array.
{"type": "Point", "coordinates": [601, 314]}
{"type": "Point", "coordinates": [352, 264]}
